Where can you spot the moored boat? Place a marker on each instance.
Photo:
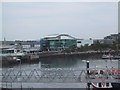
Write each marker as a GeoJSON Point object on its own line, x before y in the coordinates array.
{"type": "Point", "coordinates": [107, 56]}
{"type": "Point", "coordinates": [101, 86]}
{"type": "Point", "coordinates": [11, 55]}
{"type": "Point", "coordinates": [116, 57]}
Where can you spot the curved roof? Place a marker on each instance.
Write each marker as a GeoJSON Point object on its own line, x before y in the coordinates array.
{"type": "Point", "coordinates": [60, 36]}
{"type": "Point", "coordinates": [51, 35]}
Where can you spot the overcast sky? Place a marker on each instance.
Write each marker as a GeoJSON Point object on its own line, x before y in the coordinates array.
{"type": "Point", "coordinates": [25, 21]}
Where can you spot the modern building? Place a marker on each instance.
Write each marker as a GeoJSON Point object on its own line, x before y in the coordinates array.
{"type": "Point", "coordinates": [57, 42]}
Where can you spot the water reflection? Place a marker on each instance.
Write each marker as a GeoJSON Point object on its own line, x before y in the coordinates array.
{"type": "Point", "coordinates": [71, 63]}
{"type": "Point", "coordinates": [58, 63]}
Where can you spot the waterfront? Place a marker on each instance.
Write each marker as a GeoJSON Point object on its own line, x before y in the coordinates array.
{"type": "Point", "coordinates": [69, 62]}
{"type": "Point", "coordinates": [62, 63]}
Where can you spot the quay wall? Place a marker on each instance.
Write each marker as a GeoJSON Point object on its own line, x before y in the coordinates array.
{"type": "Point", "coordinates": [33, 57]}
{"type": "Point", "coordinates": [81, 55]}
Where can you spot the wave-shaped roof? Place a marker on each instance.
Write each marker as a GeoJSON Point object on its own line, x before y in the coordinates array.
{"type": "Point", "coordinates": [59, 36]}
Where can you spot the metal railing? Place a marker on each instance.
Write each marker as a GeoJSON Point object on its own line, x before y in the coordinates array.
{"type": "Point", "coordinates": [59, 75]}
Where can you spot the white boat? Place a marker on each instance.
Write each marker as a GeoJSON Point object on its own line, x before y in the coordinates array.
{"type": "Point", "coordinates": [12, 52]}
{"type": "Point", "coordinates": [101, 86]}
{"type": "Point", "coordinates": [116, 57]}
{"type": "Point", "coordinates": [107, 56]}
{"type": "Point", "coordinates": [110, 56]}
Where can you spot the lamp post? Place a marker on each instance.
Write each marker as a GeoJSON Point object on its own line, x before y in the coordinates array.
{"type": "Point", "coordinates": [119, 64]}
{"type": "Point", "coordinates": [87, 67]}
{"type": "Point", "coordinates": [19, 60]}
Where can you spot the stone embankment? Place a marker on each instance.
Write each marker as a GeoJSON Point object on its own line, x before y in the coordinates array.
{"type": "Point", "coordinates": [31, 57]}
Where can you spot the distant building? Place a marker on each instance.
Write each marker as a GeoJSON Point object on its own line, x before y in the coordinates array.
{"type": "Point", "coordinates": [85, 41]}
{"type": "Point", "coordinates": [57, 42]}
{"type": "Point", "coordinates": [103, 41]}
{"type": "Point", "coordinates": [25, 46]}
{"type": "Point", "coordinates": [108, 39]}
{"type": "Point", "coordinates": [114, 37]}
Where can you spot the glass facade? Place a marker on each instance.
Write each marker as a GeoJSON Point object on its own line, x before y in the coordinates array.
{"type": "Point", "coordinates": [57, 44]}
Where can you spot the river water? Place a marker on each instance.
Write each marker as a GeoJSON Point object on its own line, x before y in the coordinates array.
{"type": "Point", "coordinates": [64, 63]}
{"type": "Point", "coordinates": [71, 63]}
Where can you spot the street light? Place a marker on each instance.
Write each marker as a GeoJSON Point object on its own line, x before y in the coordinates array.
{"type": "Point", "coordinates": [19, 60]}
{"type": "Point", "coordinates": [87, 67]}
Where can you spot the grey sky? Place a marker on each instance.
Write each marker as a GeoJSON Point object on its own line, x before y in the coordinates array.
{"type": "Point", "coordinates": [25, 21]}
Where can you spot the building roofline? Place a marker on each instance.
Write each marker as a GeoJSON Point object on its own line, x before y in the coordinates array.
{"type": "Point", "coordinates": [59, 36]}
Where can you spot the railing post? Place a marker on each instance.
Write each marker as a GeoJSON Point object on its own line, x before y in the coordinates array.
{"type": "Point", "coordinates": [87, 67]}
{"type": "Point", "coordinates": [118, 65]}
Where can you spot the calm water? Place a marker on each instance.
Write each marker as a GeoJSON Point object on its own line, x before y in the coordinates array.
{"type": "Point", "coordinates": [70, 63]}
{"type": "Point", "coordinates": [64, 63]}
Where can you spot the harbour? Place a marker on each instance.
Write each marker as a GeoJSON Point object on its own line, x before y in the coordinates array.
{"type": "Point", "coordinates": [59, 63]}
{"type": "Point", "coordinates": [59, 46]}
